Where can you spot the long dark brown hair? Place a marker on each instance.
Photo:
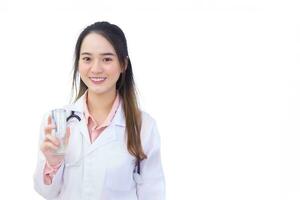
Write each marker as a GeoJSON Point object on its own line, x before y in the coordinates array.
{"type": "Point", "coordinates": [125, 84]}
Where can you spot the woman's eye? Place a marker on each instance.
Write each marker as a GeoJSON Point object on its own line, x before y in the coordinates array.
{"type": "Point", "coordinates": [107, 59]}
{"type": "Point", "coordinates": [86, 59]}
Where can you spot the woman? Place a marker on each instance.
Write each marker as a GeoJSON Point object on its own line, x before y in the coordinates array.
{"type": "Point", "coordinates": [113, 148]}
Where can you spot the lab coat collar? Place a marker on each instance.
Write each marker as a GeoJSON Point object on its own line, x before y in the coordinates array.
{"type": "Point", "coordinates": [78, 106]}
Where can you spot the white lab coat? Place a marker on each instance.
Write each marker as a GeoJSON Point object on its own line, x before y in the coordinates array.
{"type": "Point", "coordinates": [104, 170]}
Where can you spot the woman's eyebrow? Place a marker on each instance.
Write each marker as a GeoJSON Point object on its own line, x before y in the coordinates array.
{"type": "Point", "coordinates": [103, 54]}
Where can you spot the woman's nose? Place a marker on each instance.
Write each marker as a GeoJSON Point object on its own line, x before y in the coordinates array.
{"type": "Point", "coordinates": [97, 66]}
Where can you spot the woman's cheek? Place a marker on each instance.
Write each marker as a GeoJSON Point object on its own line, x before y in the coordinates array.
{"type": "Point", "coordinates": [114, 70]}
{"type": "Point", "coordinates": [83, 68]}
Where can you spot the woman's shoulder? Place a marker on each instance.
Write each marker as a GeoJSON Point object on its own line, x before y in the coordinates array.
{"type": "Point", "coordinates": [147, 117]}
{"type": "Point", "coordinates": [148, 121]}
{"type": "Point", "coordinates": [149, 130]}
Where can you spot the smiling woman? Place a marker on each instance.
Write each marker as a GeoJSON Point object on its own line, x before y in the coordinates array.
{"type": "Point", "coordinates": [113, 150]}
{"type": "Point", "coordinates": [99, 66]}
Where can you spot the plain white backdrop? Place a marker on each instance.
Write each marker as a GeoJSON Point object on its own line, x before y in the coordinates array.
{"type": "Point", "coordinates": [221, 78]}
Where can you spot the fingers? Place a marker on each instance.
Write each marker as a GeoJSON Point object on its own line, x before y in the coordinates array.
{"type": "Point", "coordinates": [52, 139]}
{"type": "Point", "coordinates": [48, 129]}
{"type": "Point", "coordinates": [50, 143]}
{"type": "Point", "coordinates": [48, 146]}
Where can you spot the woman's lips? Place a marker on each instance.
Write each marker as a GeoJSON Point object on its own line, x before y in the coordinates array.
{"type": "Point", "coordinates": [97, 80]}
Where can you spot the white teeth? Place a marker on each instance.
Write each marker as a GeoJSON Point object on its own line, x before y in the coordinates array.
{"type": "Point", "coordinates": [98, 78]}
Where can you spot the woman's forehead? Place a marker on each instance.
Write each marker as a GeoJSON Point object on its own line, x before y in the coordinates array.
{"type": "Point", "coordinates": [95, 43]}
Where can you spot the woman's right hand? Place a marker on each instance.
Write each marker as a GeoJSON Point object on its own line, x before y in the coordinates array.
{"type": "Point", "coordinates": [51, 144]}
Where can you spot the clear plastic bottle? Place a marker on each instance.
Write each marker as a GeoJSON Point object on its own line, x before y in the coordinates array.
{"type": "Point", "coordinates": [59, 119]}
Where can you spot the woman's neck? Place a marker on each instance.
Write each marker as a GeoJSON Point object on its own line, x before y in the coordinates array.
{"type": "Point", "coordinates": [100, 104]}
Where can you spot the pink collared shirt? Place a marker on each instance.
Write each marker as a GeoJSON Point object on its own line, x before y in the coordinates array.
{"type": "Point", "coordinates": [94, 128]}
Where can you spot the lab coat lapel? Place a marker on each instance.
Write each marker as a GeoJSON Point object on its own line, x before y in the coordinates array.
{"type": "Point", "coordinates": [106, 137]}
{"type": "Point", "coordinates": [109, 133]}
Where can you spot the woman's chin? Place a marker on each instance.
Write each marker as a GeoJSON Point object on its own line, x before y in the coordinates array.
{"type": "Point", "coordinates": [99, 91]}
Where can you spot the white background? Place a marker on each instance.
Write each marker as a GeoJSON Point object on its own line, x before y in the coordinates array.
{"type": "Point", "coordinates": [221, 78]}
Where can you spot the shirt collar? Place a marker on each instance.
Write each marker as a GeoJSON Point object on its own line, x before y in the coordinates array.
{"type": "Point", "coordinates": [78, 108]}
{"type": "Point", "coordinates": [110, 116]}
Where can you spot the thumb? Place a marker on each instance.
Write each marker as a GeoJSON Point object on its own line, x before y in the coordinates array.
{"type": "Point", "coordinates": [49, 120]}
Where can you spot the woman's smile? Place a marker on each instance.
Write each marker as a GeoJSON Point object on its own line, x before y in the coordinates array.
{"type": "Point", "coordinates": [97, 80]}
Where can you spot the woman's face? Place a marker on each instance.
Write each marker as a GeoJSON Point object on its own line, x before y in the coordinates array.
{"type": "Point", "coordinates": [99, 66]}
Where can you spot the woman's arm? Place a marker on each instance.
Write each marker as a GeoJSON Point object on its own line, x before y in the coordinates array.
{"type": "Point", "coordinates": [41, 185]}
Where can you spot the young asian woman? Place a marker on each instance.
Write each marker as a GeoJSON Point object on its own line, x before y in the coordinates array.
{"type": "Point", "coordinates": [113, 147]}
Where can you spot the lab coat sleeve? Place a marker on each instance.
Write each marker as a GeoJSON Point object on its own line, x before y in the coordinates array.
{"type": "Point", "coordinates": [151, 181]}
{"type": "Point", "coordinates": [52, 190]}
